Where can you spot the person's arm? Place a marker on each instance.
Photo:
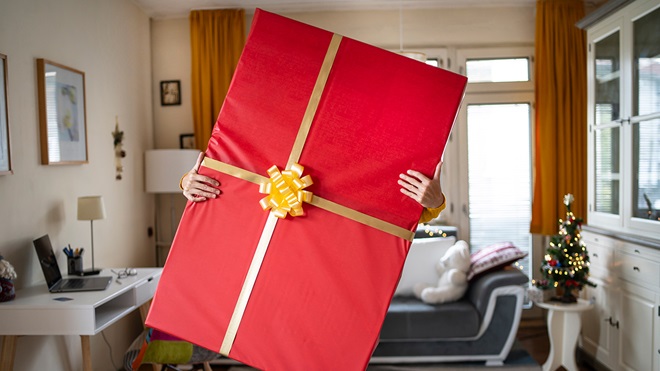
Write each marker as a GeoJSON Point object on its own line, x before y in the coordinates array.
{"type": "Point", "coordinates": [426, 191]}
{"type": "Point", "coordinates": [197, 187]}
{"type": "Point", "coordinates": [431, 213]}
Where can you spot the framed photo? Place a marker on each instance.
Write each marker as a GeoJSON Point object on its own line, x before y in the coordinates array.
{"type": "Point", "coordinates": [5, 152]}
{"type": "Point", "coordinates": [170, 93]}
{"type": "Point", "coordinates": [187, 141]}
{"type": "Point", "coordinates": [62, 114]}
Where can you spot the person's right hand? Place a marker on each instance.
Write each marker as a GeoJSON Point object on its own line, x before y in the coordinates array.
{"type": "Point", "coordinates": [198, 187]}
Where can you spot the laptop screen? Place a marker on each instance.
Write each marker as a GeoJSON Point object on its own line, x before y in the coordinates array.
{"type": "Point", "coordinates": [47, 260]}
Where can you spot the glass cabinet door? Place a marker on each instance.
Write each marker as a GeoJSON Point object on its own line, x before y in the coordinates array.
{"type": "Point", "coordinates": [645, 119]}
{"type": "Point", "coordinates": [607, 115]}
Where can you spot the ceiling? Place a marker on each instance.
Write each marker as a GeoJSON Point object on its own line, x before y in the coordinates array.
{"type": "Point", "coordinates": [163, 9]}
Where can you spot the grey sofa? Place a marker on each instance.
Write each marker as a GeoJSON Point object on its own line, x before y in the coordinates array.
{"type": "Point", "coordinates": [481, 326]}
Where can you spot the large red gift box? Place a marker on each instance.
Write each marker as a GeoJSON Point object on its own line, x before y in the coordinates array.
{"type": "Point", "coordinates": [308, 292]}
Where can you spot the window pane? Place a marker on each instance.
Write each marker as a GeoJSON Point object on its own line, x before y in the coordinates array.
{"type": "Point", "coordinates": [432, 62]}
{"type": "Point", "coordinates": [607, 170]}
{"type": "Point", "coordinates": [500, 206]}
{"type": "Point", "coordinates": [607, 66]}
{"type": "Point", "coordinates": [646, 92]}
{"type": "Point", "coordinates": [498, 70]}
{"type": "Point", "coordinates": [646, 162]}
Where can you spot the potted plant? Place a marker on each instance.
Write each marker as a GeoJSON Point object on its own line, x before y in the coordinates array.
{"type": "Point", "coordinates": [7, 275]}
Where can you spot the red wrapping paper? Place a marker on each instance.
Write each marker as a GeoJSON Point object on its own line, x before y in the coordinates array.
{"type": "Point", "coordinates": [326, 281]}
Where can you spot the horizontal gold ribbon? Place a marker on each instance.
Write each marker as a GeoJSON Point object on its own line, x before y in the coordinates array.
{"type": "Point", "coordinates": [317, 201]}
{"type": "Point", "coordinates": [271, 221]}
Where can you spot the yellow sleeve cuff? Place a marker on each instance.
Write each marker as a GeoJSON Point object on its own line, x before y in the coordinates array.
{"type": "Point", "coordinates": [181, 181]}
{"type": "Point", "coordinates": [431, 213]}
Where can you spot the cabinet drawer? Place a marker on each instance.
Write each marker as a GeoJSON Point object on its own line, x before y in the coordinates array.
{"type": "Point", "coordinates": [591, 238]}
{"type": "Point", "coordinates": [639, 270]}
{"type": "Point", "coordinates": [146, 289]}
{"type": "Point", "coordinates": [600, 258]}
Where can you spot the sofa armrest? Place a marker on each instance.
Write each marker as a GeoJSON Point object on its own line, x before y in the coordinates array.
{"type": "Point", "coordinates": [481, 287]}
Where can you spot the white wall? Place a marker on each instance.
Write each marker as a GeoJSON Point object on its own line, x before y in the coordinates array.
{"type": "Point", "coordinates": [109, 40]}
{"type": "Point", "coordinates": [170, 46]}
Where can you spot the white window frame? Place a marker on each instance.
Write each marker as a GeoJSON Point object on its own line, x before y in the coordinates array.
{"type": "Point", "coordinates": [463, 55]}
{"type": "Point", "coordinates": [454, 169]}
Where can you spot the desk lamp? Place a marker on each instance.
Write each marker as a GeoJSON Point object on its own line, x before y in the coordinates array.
{"type": "Point", "coordinates": [91, 208]}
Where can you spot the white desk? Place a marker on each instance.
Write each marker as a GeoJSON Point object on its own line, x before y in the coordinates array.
{"type": "Point", "coordinates": [564, 324]}
{"type": "Point", "coordinates": [36, 312]}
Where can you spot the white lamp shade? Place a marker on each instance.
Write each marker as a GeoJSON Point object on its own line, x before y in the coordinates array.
{"type": "Point", "coordinates": [91, 208]}
{"type": "Point", "coordinates": [164, 168]}
{"type": "Point", "coordinates": [419, 56]}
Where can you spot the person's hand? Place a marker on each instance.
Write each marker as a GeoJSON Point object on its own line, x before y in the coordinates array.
{"type": "Point", "coordinates": [197, 187]}
{"type": "Point", "coordinates": [420, 188]}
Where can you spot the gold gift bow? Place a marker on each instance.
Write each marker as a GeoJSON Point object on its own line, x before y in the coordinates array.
{"type": "Point", "coordinates": [286, 191]}
{"type": "Point", "coordinates": [271, 221]}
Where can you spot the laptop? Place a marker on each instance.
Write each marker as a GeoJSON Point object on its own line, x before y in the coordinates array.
{"type": "Point", "coordinates": [53, 275]}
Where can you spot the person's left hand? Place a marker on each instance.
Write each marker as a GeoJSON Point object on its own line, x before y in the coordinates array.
{"type": "Point", "coordinates": [428, 192]}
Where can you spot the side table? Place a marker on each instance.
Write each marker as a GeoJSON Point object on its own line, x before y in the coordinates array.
{"type": "Point", "coordinates": [564, 325]}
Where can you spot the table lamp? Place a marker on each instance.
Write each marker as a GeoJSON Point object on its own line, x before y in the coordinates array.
{"type": "Point", "coordinates": [91, 208]}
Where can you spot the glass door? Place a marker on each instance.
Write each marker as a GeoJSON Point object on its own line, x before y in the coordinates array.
{"type": "Point", "coordinates": [645, 120]}
{"type": "Point", "coordinates": [605, 124]}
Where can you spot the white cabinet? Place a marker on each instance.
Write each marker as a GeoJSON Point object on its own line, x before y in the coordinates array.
{"type": "Point", "coordinates": [598, 325]}
{"type": "Point", "coordinates": [623, 98]}
{"type": "Point", "coordinates": [622, 331]}
{"type": "Point", "coordinates": [637, 323]}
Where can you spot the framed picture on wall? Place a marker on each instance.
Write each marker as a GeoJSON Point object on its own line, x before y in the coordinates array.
{"type": "Point", "coordinates": [5, 152]}
{"type": "Point", "coordinates": [170, 93]}
{"type": "Point", "coordinates": [62, 116]}
{"type": "Point", "coordinates": [187, 141]}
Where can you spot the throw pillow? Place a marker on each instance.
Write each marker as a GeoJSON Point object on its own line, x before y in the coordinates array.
{"type": "Point", "coordinates": [494, 257]}
{"type": "Point", "coordinates": [420, 264]}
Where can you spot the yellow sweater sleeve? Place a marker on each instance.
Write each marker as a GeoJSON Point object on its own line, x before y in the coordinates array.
{"type": "Point", "coordinates": [431, 213]}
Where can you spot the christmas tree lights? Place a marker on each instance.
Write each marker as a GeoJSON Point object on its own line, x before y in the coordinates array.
{"type": "Point", "coordinates": [566, 262]}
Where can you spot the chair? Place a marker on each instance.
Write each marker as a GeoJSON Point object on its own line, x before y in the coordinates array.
{"type": "Point", "coordinates": [165, 354]}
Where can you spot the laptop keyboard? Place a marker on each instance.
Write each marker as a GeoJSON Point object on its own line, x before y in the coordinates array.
{"type": "Point", "coordinates": [73, 283]}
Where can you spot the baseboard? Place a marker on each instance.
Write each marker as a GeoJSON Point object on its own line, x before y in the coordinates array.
{"type": "Point", "coordinates": [584, 357]}
{"type": "Point", "coordinates": [532, 322]}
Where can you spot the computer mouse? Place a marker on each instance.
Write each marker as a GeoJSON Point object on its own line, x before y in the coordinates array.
{"type": "Point", "coordinates": [132, 271]}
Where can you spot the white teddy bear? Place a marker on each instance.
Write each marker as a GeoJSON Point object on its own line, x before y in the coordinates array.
{"type": "Point", "coordinates": [452, 270]}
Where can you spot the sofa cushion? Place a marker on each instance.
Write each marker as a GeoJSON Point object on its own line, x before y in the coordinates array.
{"type": "Point", "coordinates": [408, 318]}
{"type": "Point", "coordinates": [494, 257]}
{"type": "Point", "coordinates": [420, 264]}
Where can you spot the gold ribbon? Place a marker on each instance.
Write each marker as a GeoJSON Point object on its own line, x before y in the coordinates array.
{"type": "Point", "coordinates": [285, 191]}
{"type": "Point", "coordinates": [317, 201]}
{"type": "Point", "coordinates": [284, 201]}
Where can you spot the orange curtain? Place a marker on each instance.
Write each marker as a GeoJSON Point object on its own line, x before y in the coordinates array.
{"type": "Point", "coordinates": [560, 163]}
{"type": "Point", "coordinates": [217, 38]}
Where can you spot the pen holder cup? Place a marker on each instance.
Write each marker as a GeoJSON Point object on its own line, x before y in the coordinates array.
{"type": "Point", "coordinates": [75, 265]}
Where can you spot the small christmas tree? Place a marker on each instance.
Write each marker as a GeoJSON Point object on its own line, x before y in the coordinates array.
{"type": "Point", "coordinates": [566, 263]}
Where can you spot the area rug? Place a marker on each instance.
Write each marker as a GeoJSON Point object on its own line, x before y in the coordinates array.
{"type": "Point", "coordinates": [518, 360]}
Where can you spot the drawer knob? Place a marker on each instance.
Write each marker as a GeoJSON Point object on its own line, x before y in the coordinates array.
{"type": "Point", "coordinates": [636, 269]}
{"type": "Point", "coordinates": [595, 255]}
{"type": "Point", "coordinates": [637, 251]}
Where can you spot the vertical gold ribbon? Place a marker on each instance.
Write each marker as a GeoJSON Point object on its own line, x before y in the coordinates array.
{"type": "Point", "coordinates": [271, 221]}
